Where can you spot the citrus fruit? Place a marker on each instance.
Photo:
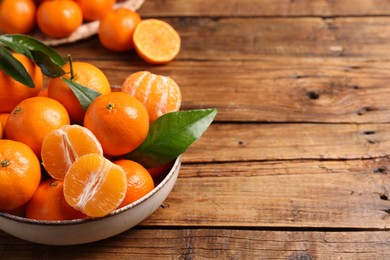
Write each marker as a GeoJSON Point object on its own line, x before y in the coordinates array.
{"type": "Point", "coordinates": [13, 92]}
{"type": "Point", "coordinates": [84, 74]}
{"type": "Point", "coordinates": [33, 118]}
{"type": "Point", "coordinates": [61, 147]}
{"type": "Point", "coordinates": [159, 94]}
{"type": "Point", "coordinates": [119, 121]}
{"type": "Point", "coordinates": [139, 181]}
{"type": "Point", "coordinates": [59, 18]}
{"type": "Point", "coordinates": [95, 185]}
{"type": "Point", "coordinates": [116, 29]}
{"type": "Point", "coordinates": [156, 41]}
{"type": "Point", "coordinates": [95, 9]}
{"type": "Point", "coordinates": [17, 16]}
{"type": "Point", "coordinates": [20, 174]}
{"type": "Point", "coordinates": [160, 170]}
{"type": "Point", "coordinates": [48, 203]}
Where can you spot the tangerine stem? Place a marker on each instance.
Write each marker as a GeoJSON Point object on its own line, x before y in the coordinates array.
{"type": "Point", "coordinates": [72, 77]}
{"type": "Point", "coordinates": [4, 163]}
{"type": "Point", "coordinates": [110, 106]}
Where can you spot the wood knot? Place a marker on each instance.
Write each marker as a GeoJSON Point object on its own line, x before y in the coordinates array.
{"type": "Point", "coordinates": [300, 256]}
{"type": "Point", "coordinates": [313, 95]}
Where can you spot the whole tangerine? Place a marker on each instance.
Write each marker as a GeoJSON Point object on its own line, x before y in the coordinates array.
{"type": "Point", "coordinates": [17, 16]}
{"type": "Point", "coordinates": [13, 92]}
{"type": "Point", "coordinates": [59, 18]}
{"type": "Point", "coordinates": [119, 121]}
{"type": "Point", "coordinates": [95, 9]}
{"type": "Point", "coordinates": [85, 74]}
{"type": "Point", "coordinates": [20, 174]}
{"type": "Point", "coordinates": [33, 118]}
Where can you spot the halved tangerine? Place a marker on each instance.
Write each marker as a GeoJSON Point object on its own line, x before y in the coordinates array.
{"type": "Point", "coordinates": [95, 185]}
{"type": "Point", "coordinates": [63, 146]}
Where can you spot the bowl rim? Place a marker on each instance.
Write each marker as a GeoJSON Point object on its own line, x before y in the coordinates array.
{"type": "Point", "coordinates": [134, 204]}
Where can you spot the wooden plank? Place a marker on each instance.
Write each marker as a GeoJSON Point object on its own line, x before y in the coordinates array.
{"type": "Point", "coordinates": [212, 244]}
{"type": "Point", "coordinates": [300, 194]}
{"type": "Point", "coordinates": [155, 8]}
{"type": "Point", "coordinates": [254, 38]}
{"type": "Point", "coordinates": [258, 142]}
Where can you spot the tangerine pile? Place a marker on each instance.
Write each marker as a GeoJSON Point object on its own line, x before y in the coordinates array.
{"type": "Point", "coordinates": [120, 29]}
{"type": "Point", "coordinates": [59, 161]}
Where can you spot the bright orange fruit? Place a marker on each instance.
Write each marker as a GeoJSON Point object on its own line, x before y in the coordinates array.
{"type": "Point", "coordinates": [48, 203]}
{"type": "Point", "coordinates": [17, 16]}
{"type": "Point", "coordinates": [59, 18]}
{"type": "Point", "coordinates": [116, 29]}
{"type": "Point", "coordinates": [20, 174]}
{"type": "Point", "coordinates": [61, 147]}
{"type": "Point", "coordinates": [139, 181]}
{"type": "Point", "coordinates": [84, 74]}
{"type": "Point", "coordinates": [156, 41]}
{"type": "Point", "coordinates": [159, 94]}
{"type": "Point", "coordinates": [33, 118]}
{"type": "Point", "coordinates": [95, 185]}
{"type": "Point", "coordinates": [119, 121]}
{"type": "Point", "coordinates": [95, 9]}
{"type": "Point", "coordinates": [13, 92]}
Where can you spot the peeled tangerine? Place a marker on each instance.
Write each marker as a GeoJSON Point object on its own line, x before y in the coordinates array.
{"type": "Point", "coordinates": [159, 94]}
{"type": "Point", "coordinates": [63, 146]}
{"type": "Point", "coordinates": [95, 185]}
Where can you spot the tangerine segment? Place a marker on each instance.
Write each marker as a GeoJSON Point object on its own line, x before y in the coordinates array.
{"type": "Point", "coordinates": [63, 146]}
{"type": "Point", "coordinates": [156, 41]}
{"type": "Point", "coordinates": [48, 203]}
{"type": "Point", "coordinates": [159, 94]}
{"type": "Point", "coordinates": [95, 185]}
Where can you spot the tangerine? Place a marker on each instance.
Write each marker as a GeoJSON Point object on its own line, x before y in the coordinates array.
{"type": "Point", "coordinates": [159, 94]}
{"type": "Point", "coordinates": [95, 185]}
{"type": "Point", "coordinates": [156, 41]}
{"type": "Point", "coordinates": [119, 121]}
{"type": "Point", "coordinates": [20, 174]}
{"type": "Point", "coordinates": [13, 92]}
{"type": "Point", "coordinates": [11, 12]}
{"type": "Point", "coordinates": [59, 18]}
{"type": "Point", "coordinates": [116, 29]}
{"type": "Point", "coordinates": [95, 9]}
{"type": "Point", "coordinates": [139, 181]}
{"type": "Point", "coordinates": [48, 203]}
{"type": "Point", "coordinates": [61, 147]}
{"type": "Point", "coordinates": [84, 74]}
{"type": "Point", "coordinates": [33, 118]}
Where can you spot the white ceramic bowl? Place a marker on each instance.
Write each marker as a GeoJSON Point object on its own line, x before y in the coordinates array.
{"type": "Point", "coordinates": [80, 231]}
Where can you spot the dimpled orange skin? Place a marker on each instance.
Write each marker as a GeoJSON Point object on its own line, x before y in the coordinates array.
{"type": "Point", "coordinates": [11, 12]}
{"type": "Point", "coordinates": [119, 121]}
{"type": "Point", "coordinates": [116, 29]}
{"type": "Point", "coordinates": [33, 118]}
{"type": "Point", "coordinates": [59, 18]}
{"type": "Point", "coordinates": [20, 174]}
{"type": "Point", "coordinates": [12, 92]}
{"type": "Point", "coordinates": [86, 75]}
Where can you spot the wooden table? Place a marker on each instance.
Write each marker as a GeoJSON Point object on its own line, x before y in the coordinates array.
{"type": "Point", "coordinates": [296, 164]}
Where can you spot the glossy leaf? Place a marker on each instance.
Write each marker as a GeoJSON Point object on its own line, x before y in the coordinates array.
{"type": "Point", "coordinates": [44, 56]}
{"type": "Point", "coordinates": [84, 95]}
{"type": "Point", "coordinates": [170, 135]}
{"type": "Point", "coordinates": [14, 68]}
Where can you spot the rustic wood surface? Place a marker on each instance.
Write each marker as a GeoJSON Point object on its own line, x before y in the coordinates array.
{"type": "Point", "coordinates": [296, 164]}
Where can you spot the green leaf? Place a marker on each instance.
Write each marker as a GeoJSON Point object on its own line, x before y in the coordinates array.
{"type": "Point", "coordinates": [171, 135]}
{"type": "Point", "coordinates": [44, 56]}
{"type": "Point", "coordinates": [14, 68]}
{"type": "Point", "coordinates": [84, 95]}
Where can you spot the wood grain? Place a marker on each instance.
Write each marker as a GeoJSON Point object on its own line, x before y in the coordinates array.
{"type": "Point", "coordinates": [283, 8]}
{"type": "Point", "coordinates": [254, 38]}
{"type": "Point", "coordinates": [214, 244]}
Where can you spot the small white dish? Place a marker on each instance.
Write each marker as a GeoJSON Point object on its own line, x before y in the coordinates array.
{"type": "Point", "coordinates": [80, 231]}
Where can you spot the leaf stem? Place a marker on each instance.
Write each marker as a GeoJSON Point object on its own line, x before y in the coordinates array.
{"type": "Point", "coordinates": [72, 77]}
